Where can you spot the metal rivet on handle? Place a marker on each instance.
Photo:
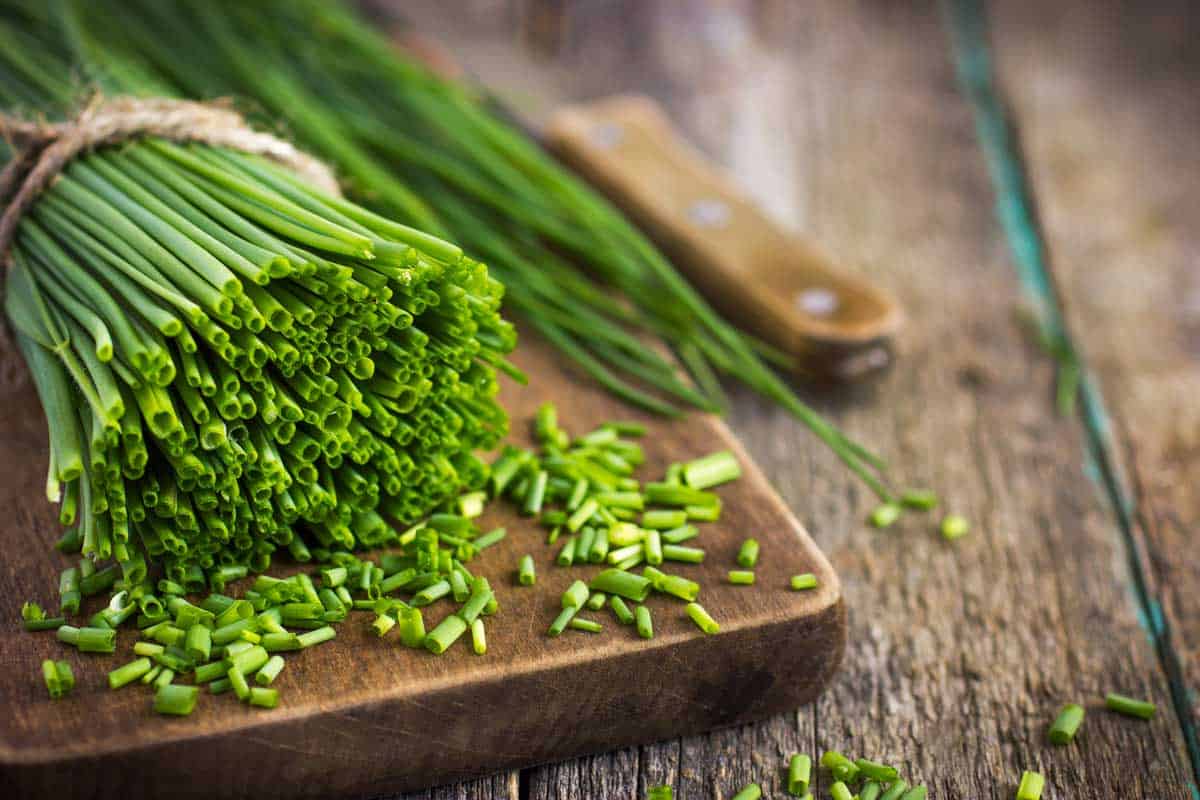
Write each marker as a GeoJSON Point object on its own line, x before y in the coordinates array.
{"type": "Point", "coordinates": [818, 301]}
{"type": "Point", "coordinates": [709, 213]}
{"type": "Point", "coordinates": [607, 135]}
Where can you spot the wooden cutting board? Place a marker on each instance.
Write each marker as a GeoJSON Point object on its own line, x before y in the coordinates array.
{"type": "Point", "coordinates": [361, 715]}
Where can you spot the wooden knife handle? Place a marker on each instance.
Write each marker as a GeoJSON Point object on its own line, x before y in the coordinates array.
{"type": "Point", "coordinates": [774, 284]}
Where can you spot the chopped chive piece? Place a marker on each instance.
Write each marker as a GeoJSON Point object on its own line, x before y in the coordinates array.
{"type": "Point", "coordinates": [885, 515]}
{"type": "Point", "coordinates": [536, 495]}
{"type": "Point", "coordinates": [412, 626]}
{"type": "Point", "coordinates": [147, 649]}
{"type": "Point", "coordinates": [703, 513]}
{"type": "Point", "coordinates": [628, 428]}
{"type": "Point", "coordinates": [876, 771]}
{"type": "Point", "coordinates": [895, 790]}
{"type": "Point", "coordinates": [277, 642]}
{"type": "Point", "coordinates": [652, 546]}
{"type": "Point", "coordinates": [919, 499]}
{"type": "Point", "coordinates": [588, 625]}
{"type": "Point", "coordinates": [164, 678]}
{"type": "Point", "coordinates": [1129, 706]}
{"type": "Point", "coordinates": [624, 534]}
{"type": "Point", "coordinates": [459, 587]}
{"type": "Point", "coordinates": [870, 791]}
{"type": "Point", "coordinates": [209, 672]}
{"type": "Point", "coordinates": [842, 768]}
{"type": "Point", "coordinates": [445, 634]}
{"type": "Point", "coordinates": [269, 671]}
{"type": "Point", "coordinates": [124, 675]}
{"type": "Point", "coordinates": [431, 594]}
{"type": "Point", "coordinates": [264, 698]}
{"type": "Point", "coordinates": [801, 582]}
{"type": "Point", "coordinates": [702, 619]}
{"type": "Point", "coordinates": [954, 527]}
{"type": "Point", "coordinates": [250, 660]}
{"type": "Point", "coordinates": [596, 601]}
{"type": "Point", "coordinates": [624, 615]}
{"type": "Point", "coordinates": [625, 584]}
{"type": "Point", "coordinates": [645, 626]}
{"type": "Point", "coordinates": [58, 677]}
{"type": "Point", "coordinates": [89, 640]}
{"type": "Point", "coordinates": [748, 554]}
{"type": "Point", "coordinates": [741, 577]}
{"type": "Point", "coordinates": [630, 500]}
{"type": "Point", "coordinates": [686, 555]}
{"type": "Point", "coordinates": [679, 535]}
{"type": "Point", "coordinates": [662, 792]}
{"type": "Point", "coordinates": [526, 574]}
{"type": "Point", "coordinates": [562, 620]}
{"type": "Point", "coordinates": [599, 550]}
{"type": "Point", "coordinates": [661, 519]}
{"type": "Point", "coordinates": [1065, 726]}
{"type": "Point", "coordinates": [238, 681]}
{"type": "Point", "coordinates": [198, 642]}
{"type": "Point", "coordinates": [840, 791]}
{"type": "Point", "coordinates": [220, 686]}
{"type": "Point", "coordinates": [667, 494]}
{"type": "Point", "coordinates": [575, 595]}
{"type": "Point", "coordinates": [799, 775]}
{"type": "Point", "coordinates": [175, 699]}
{"type": "Point", "coordinates": [915, 793]}
{"type": "Point", "coordinates": [711, 470]}
{"type": "Point", "coordinates": [583, 545]}
{"type": "Point", "coordinates": [478, 637]}
{"type": "Point", "coordinates": [675, 585]}
{"type": "Point", "coordinates": [751, 792]}
{"type": "Point", "coordinates": [490, 538]}
{"type": "Point", "coordinates": [1031, 786]}
{"type": "Point", "coordinates": [481, 600]}
{"type": "Point", "coordinates": [627, 552]}
{"type": "Point", "coordinates": [382, 624]}
{"type": "Point", "coordinates": [566, 556]}
{"type": "Point", "coordinates": [582, 514]}
{"type": "Point", "coordinates": [317, 636]}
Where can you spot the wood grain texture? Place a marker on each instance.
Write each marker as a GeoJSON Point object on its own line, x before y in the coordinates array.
{"type": "Point", "coordinates": [845, 120]}
{"type": "Point", "coordinates": [360, 715]}
{"type": "Point", "coordinates": [1106, 96]}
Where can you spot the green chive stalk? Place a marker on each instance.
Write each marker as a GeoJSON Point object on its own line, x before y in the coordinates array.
{"type": "Point", "coordinates": [436, 155]}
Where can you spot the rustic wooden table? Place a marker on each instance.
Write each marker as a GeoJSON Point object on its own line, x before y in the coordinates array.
{"type": "Point", "coordinates": [848, 121]}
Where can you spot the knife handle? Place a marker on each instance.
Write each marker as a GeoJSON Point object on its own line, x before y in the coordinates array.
{"type": "Point", "coordinates": [774, 284]}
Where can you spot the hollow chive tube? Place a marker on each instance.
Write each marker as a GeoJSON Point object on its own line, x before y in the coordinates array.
{"type": "Point", "coordinates": [238, 681]}
{"type": "Point", "coordinates": [636, 549]}
{"type": "Point", "coordinates": [445, 634]}
{"type": "Point", "coordinates": [876, 771]}
{"type": "Point", "coordinates": [382, 624]}
{"type": "Point", "coordinates": [799, 775]}
{"type": "Point", "coordinates": [751, 792]}
{"type": "Point", "coordinates": [799, 583]}
{"type": "Point", "coordinates": [412, 627]}
{"type": "Point", "coordinates": [954, 527]}
{"type": "Point", "coordinates": [895, 790]}
{"type": "Point", "coordinates": [276, 642]}
{"type": "Point", "coordinates": [581, 515]}
{"type": "Point", "coordinates": [919, 499]}
{"type": "Point", "coordinates": [748, 554]}
{"type": "Point", "coordinates": [232, 631]}
{"type": "Point", "coordinates": [536, 495]}
{"type": "Point", "coordinates": [68, 591]}
{"type": "Point", "coordinates": [264, 698]}
{"type": "Point", "coordinates": [626, 584]}
{"type": "Point", "coordinates": [840, 791]}
{"type": "Point", "coordinates": [566, 555]}
{"type": "Point", "coordinates": [478, 637]}
{"type": "Point", "coordinates": [583, 546]}
{"type": "Point", "coordinates": [481, 597]}
{"type": "Point", "coordinates": [915, 793]}
{"type": "Point", "coordinates": [661, 519]}
{"type": "Point", "coordinates": [663, 792]}
{"type": "Point", "coordinates": [269, 671]}
{"type": "Point", "coordinates": [1031, 786]}
{"type": "Point", "coordinates": [624, 615]}
{"type": "Point", "coordinates": [209, 672]}
{"type": "Point", "coordinates": [596, 601]}
{"type": "Point", "coordinates": [198, 643]}
{"type": "Point", "coordinates": [587, 625]}
{"type": "Point", "coordinates": [652, 545]}
{"type": "Point", "coordinates": [1128, 706]}
{"type": "Point", "coordinates": [702, 619]}
{"type": "Point", "coordinates": [575, 595]}
{"type": "Point", "coordinates": [1066, 724]}
{"type": "Point", "coordinates": [459, 587]}
{"type": "Point", "coordinates": [679, 535]}
{"type": "Point", "coordinates": [884, 515]}
{"type": "Point", "coordinates": [645, 626]}
{"type": "Point", "coordinates": [870, 791]}
{"type": "Point", "coordinates": [490, 538]}
{"type": "Point", "coordinates": [220, 686]}
{"type": "Point", "coordinates": [624, 534]}
{"type": "Point", "coordinates": [250, 660]}
{"type": "Point", "coordinates": [58, 677]}
{"type": "Point", "coordinates": [562, 620]}
{"type": "Point", "coordinates": [129, 673]}
{"type": "Point", "coordinates": [89, 640]}
{"type": "Point", "coordinates": [316, 636]}
{"type": "Point", "coordinates": [741, 577]}
{"type": "Point", "coordinates": [686, 555]}
{"type": "Point", "coordinates": [711, 470]}
{"type": "Point", "coordinates": [431, 594]}
{"type": "Point", "coordinates": [842, 768]}
{"type": "Point", "coordinates": [175, 699]}
{"type": "Point", "coordinates": [526, 573]}
{"type": "Point", "coordinates": [674, 585]}
{"type": "Point", "coordinates": [599, 549]}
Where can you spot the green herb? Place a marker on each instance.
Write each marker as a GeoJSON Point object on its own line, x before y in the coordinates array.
{"type": "Point", "coordinates": [675, 585]}
{"type": "Point", "coordinates": [661, 519]}
{"type": "Point", "coordinates": [575, 595]}
{"type": "Point", "coordinates": [842, 768]}
{"type": "Point", "coordinates": [876, 771]}
{"type": "Point", "coordinates": [562, 620]}
{"type": "Point", "coordinates": [800, 583]}
{"type": "Point", "coordinates": [1129, 706]}
{"type": "Point", "coordinates": [176, 700]}
{"type": "Point", "coordinates": [885, 515]}
{"type": "Point", "coordinates": [128, 673]}
{"type": "Point", "coordinates": [751, 792]}
{"type": "Point", "coordinates": [478, 637]}
{"type": "Point", "coordinates": [711, 470]}
{"type": "Point", "coordinates": [264, 698]}
{"type": "Point", "coordinates": [445, 634]}
{"type": "Point", "coordinates": [526, 574]}
{"type": "Point", "coordinates": [579, 624]}
{"type": "Point", "coordinates": [269, 671]}
{"type": "Point", "coordinates": [741, 577]}
{"type": "Point", "coordinates": [915, 793]}
{"type": "Point", "coordinates": [870, 791]}
{"type": "Point", "coordinates": [625, 584]}
{"type": "Point", "coordinates": [624, 615]}
{"type": "Point", "coordinates": [748, 554]}
{"type": "Point", "coordinates": [660, 793]}
{"type": "Point", "coordinates": [895, 790]}
{"type": "Point", "coordinates": [954, 527]}
{"type": "Point", "coordinates": [919, 499]}
{"type": "Point", "coordinates": [645, 626]}
{"type": "Point", "coordinates": [1066, 724]}
{"type": "Point", "coordinates": [58, 677]}
{"type": "Point", "coordinates": [840, 791]}
{"type": "Point", "coordinates": [1031, 786]}
{"type": "Point", "coordinates": [702, 619]}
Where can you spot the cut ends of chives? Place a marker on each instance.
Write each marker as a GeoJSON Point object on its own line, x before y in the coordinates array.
{"type": "Point", "coordinates": [1066, 724]}
{"type": "Point", "coordinates": [884, 516]}
{"type": "Point", "coordinates": [1129, 706]}
{"type": "Point", "coordinates": [954, 527]}
{"type": "Point", "coordinates": [1031, 786]}
{"type": "Point", "coordinates": [800, 583]}
{"type": "Point", "coordinates": [176, 700]}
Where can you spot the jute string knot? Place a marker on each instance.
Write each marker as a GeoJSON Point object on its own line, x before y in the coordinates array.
{"type": "Point", "coordinates": [44, 150]}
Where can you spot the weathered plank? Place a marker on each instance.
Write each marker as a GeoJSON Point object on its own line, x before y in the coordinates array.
{"type": "Point", "coordinates": [845, 120]}
{"type": "Point", "coordinates": [1106, 98]}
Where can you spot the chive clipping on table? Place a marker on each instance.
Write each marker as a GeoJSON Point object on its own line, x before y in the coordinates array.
{"type": "Point", "coordinates": [915, 793]}
{"type": "Point", "coordinates": [870, 791]}
{"type": "Point", "coordinates": [478, 637]}
{"type": "Point", "coordinates": [58, 677]}
{"type": "Point", "coordinates": [175, 700]}
{"type": "Point", "coordinates": [1066, 724]}
{"type": "Point", "coordinates": [662, 792]}
{"type": "Point", "coordinates": [751, 792]}
{"type": "Point", "coordinates": [800, 583]}
{"type": "Point", "coordinates": [840, 791]}
{"type": "Point", "coordinates": [703, 620]}
{"type": "Point", "coordinates": [876, 771]}
{"type": "Point", "coordinates": [741, 577]}
{"type": "Point", "coordinates": [842, 768]}
{"type": "Point", "coordinates": [1031, 786]}
{"type": "Point", "coordinates": [895, 790]}
{"type": "Point", "coordinates": [885, 515]}
{"type": "Point", "coordinates": [526, 573]}
{"type": "Point", "coordinates": [622, 612]}
{"type": "Point", "coordinates": [587, 625]}
{"type": "Point", "coordinates": [954, 527]}
{"type": "Point", "coordinates": [1129, 706]}
{"type": "Point", "coordinates": [645, 626]}
{"type": "Point", "coordinates": [747, 555]}
{"type": "Point", "coordinates": [799, 774]}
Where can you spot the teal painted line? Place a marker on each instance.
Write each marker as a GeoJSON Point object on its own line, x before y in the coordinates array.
{"type": "Point", "coordinates": [1017, 211]}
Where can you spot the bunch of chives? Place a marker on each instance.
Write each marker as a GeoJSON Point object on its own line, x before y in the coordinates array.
{"type": "Point", "coordinates": [432, 153]}
{"type": "Point", "coordinates": [232, 362]}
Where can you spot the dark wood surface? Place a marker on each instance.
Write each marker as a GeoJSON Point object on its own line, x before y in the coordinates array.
{"type": "Point", "coordinates": [360, 715]}
{"type": "Point", "coordinates": [845, 120]}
